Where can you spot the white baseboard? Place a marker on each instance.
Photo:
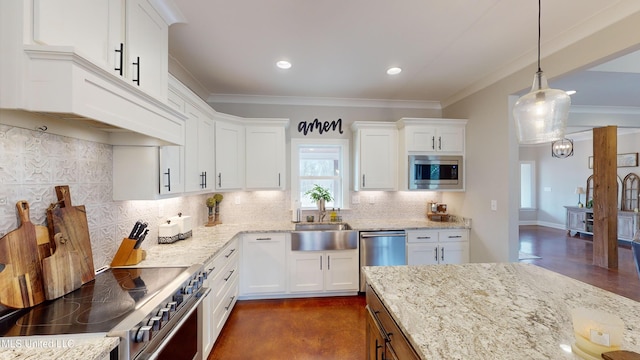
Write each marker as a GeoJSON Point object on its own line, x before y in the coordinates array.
{"type": "Point", "coordinates": [543, 223]}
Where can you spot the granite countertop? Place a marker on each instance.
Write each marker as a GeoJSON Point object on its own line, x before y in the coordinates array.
{"type": "Point", "coordinates": [206, 242]}
{"type": "Point", "coordinates": [493, 311]}
{"type": "Point", "coordinates": [85, 347]}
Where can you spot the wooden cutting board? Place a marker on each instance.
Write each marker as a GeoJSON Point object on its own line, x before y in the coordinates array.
{"type": "Point", "coordinates": [21, 254]}
{"type": "Point", "coordinates": [71, 222]}
{"type": "Point", "coordinates": [61, 271]}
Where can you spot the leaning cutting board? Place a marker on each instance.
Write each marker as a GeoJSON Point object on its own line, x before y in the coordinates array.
{"type": "Point", "coordinates": [61, 271]}
{"type": "Point", "coordinates": [71, 222]}
{"type": "Point", "coordinates": [21, 254]}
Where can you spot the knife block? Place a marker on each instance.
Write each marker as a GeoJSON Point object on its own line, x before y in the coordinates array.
{"type": "Point", "coordinates": [127, 255]}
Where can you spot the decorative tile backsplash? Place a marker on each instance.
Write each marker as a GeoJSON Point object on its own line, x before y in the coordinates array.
{"type": "Point", "coordinates": [32, 163]}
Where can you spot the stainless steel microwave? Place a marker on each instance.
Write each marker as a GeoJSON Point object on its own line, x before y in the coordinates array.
{"type": "Point", "coordinates": [436, 172]}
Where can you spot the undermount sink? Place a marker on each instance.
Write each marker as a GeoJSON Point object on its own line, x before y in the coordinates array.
{"type": "Point", "coordinates": [322, 226]}
{"type": "Point", "coordinates": [323, 236]}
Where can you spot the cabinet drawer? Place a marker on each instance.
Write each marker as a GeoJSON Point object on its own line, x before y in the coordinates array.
{"type": "Point", "coordinates": [224, 307]}
{"type": "Point", "coordinates": [453, 235]}
{"type": "Point", "coordinates": [221, 260]}
{"type": "Point", "coordinates": [224, 278]}
{"type": "Point", "coordinates": [399, 344]}
{"type": "Point", "coordinates": [422, 236]}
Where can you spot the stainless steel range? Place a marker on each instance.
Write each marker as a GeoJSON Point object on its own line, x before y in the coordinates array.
{"type": "Point", "coordinates": [147, 308]}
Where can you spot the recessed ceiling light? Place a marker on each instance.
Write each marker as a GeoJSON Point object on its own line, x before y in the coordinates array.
{"type": "Point", "coordinates": [571, 92]}
{"type": "Point", "coordinates": [394, 71]}
{"type": "Point", "coordinates": [283, 64]}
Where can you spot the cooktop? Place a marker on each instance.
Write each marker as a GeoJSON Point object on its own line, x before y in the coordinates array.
{"type": "Point", "coordinates": [96, 307]}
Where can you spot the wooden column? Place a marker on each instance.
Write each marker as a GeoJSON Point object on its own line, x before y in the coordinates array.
{"type": "Point", "coordinates": [605, 197]}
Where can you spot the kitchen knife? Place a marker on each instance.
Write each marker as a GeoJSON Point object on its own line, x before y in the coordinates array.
{"type": "Point", "coordinates": [135, 229]}
{"type": "Point", "coordinates": [141, 239]}
{"type": "Point", "coordinates": [140, 230]}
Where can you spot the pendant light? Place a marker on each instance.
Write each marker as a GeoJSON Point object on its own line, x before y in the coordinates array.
{"type": "Point", "coordinates": [541, 115]}
{"type": "Point", "coordinates": [562, 148]}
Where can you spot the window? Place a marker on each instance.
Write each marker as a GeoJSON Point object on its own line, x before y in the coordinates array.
{"type": "Point", "coordinates": [527, 184]}
{"type": "Point", "coordinates": [323, 162]}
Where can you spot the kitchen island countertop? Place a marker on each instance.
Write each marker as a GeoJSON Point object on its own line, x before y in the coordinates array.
{"type": "Point", "coordinates": [82, 347]}
{"type": "Point", "coordinates": [493, 311]}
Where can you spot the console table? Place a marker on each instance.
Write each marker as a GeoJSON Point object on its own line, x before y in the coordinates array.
{"type": "Point", "coordinates": [580, 220]}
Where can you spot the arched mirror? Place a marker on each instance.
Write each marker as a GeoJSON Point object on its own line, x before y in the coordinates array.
{"type": "Point", "coordinates": [630, 186]}
{"type": "Point", "coordinates": [590, 191]}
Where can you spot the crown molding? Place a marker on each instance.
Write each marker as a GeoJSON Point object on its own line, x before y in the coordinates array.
{"type": "Point", "coordinates": [322, 101]}
{"type": "Point", "coordinates": [611, 110]}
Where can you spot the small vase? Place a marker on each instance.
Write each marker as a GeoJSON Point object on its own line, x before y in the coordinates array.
{"type": "Point", "coordinates": [320, 204]}
{"type": "Point", "coordinates": [217, 216]}
{"type": "Point", "coordinates": [210, 221]}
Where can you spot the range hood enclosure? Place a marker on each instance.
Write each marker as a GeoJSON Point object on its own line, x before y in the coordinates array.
{"type": "Point", "coordinates": [62, 84]}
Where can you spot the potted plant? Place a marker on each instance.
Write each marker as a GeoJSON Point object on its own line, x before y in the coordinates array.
{"type": "Point", "coordinates": [320, 195]}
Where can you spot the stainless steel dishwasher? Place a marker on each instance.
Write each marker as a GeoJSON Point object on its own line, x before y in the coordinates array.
{"type": "Point", "coordinates": [381, 248]}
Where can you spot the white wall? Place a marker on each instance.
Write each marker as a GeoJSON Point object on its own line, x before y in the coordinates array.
{"type": "Point", "coordinates": [562, 176]}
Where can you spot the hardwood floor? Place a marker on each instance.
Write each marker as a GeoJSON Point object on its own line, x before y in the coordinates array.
{"type": "Point", "coordinates": [334, 328]}
{"type": "Point", "coordinates": [573, 256]}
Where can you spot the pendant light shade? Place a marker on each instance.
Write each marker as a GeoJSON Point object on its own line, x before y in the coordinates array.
{"type": "Point", "coordinates": [541, 115]}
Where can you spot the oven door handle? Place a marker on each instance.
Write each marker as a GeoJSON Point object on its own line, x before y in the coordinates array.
{"type": "Point", "coordinates": [153, 353]}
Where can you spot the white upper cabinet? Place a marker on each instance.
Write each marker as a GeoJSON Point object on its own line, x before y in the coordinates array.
{"type": "Point", "coordinates": [146, 172]}
{"type": "Point", "coordinates": [146, 48]}
{"type": "Point", "coordinates": [376, 149]}
{"type": "Point", "coordinates": [265, 154]}
{"type": "Point", "coordinates": [92, 28]}
{"type": "Point", "coordinates": [444, 136]}
{"type": "Point", "coordinates": [229, 153]}
{"type": "Point", "coordinates": [199, 151]}
{"type": "Point", "coordinates": [198, 148]}
{"type": "Point", "coordinates": [129, 38]}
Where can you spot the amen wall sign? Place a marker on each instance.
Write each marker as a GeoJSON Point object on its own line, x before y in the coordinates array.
{"type": "Point", "coordinates": [321, 127]}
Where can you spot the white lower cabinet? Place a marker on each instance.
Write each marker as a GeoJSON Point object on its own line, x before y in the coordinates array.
{"type": "Point", "coordinates": [222, 279]}
{"type": "Point", "coordinates": [317, 271]}
{"type": "Point", "coordinates": [428, 247]}
{"type": "Point", "coordinates": [263, 264]}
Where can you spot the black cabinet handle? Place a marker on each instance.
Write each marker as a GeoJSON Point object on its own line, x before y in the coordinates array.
{"type": "Point", "coordinates": [120, 68]}
{"type": "Point", "coordinates": [439, 142]}
{"type": "Point", "coordinates": [442, 254]}
{"type": "Point", "coordinates": [203, 180]}
{"type": "Point", "coordinates": [137, 65]}
{"type": "Point", "coordinates": [230, 302]}
{"type": "Point", "coordinates": [219, 180]}
{"type": "Point", "coordinates": [228, 277]}
{"type": "Point", "coordinates": [231, 252]}
{"type": "Point", "coordinates": [436, 253]}
{"type": "Point", "coordinates": [168, 173]}
{"type": "Point", "coordinates": [433, 142]}
{"type": "Point", "coordinates": [279, 180]}
{"type": "Point", "coordinates": [363, 183]}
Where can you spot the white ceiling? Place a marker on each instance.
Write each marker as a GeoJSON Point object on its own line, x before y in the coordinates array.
{"type": "Point", "coordinates": [342, 48]}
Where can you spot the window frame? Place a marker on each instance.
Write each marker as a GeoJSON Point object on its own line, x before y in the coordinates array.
{"type": "Point", "coordinates": [295, 168]}
{"type": "Point", "coordinates": [532, 184]}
